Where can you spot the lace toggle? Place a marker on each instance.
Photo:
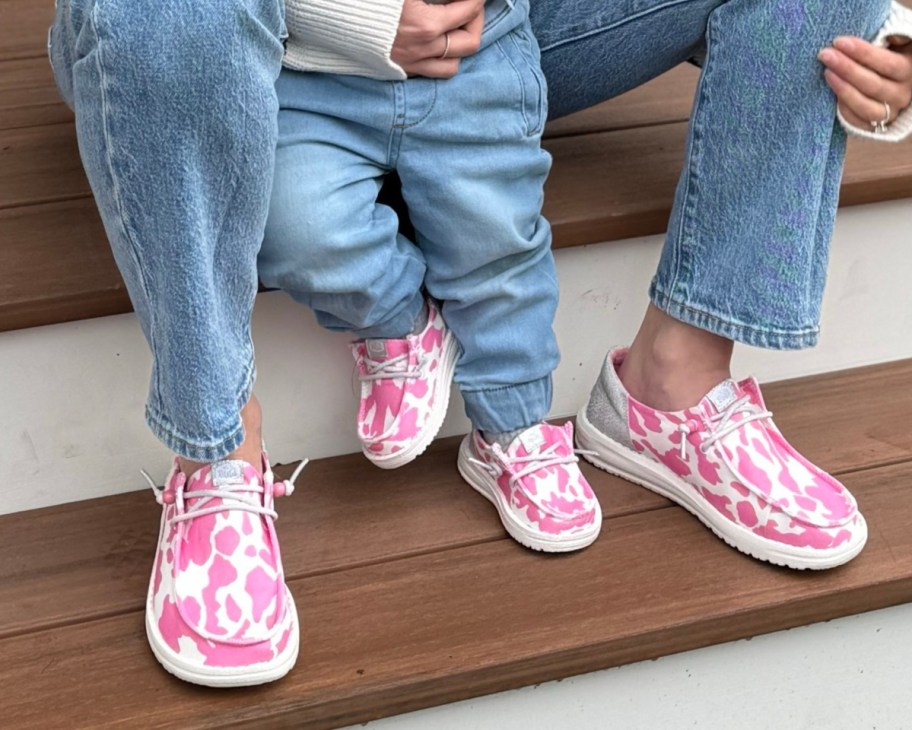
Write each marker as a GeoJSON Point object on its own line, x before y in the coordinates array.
{"type": "Point", "coordinates": [238, 496]}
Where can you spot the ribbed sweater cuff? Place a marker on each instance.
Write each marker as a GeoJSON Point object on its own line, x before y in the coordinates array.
{"type": "Point", "coordinates": [899, 23]}
{"type": "Point", "coordinates": [343, 36]}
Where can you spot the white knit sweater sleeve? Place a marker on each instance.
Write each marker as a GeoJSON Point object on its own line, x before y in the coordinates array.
{"type": "Point", "coordinates": [900, 24]}
{"type": "Point", "coordinates": [343, 36]}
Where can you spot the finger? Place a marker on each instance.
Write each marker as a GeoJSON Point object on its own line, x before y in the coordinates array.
{"type": "Point", "coordinates": [868, 82]}
{"type": "Point", "coordinates": [898, 41]}
{"type": "Point", "coordinates": [853, 119]}
{"type": "Point", "coordinates": [462, 43]}
{"type": "Point", "coordinates": [887, 63]}
{"type": "Point", "coordinates": [456, 14]}
{"type": "Point", "coordinates": [852, 100]}
{"type": "Point", "coordinates": [433, 68]}
{"type": "Point", "coordinates": [466, 41]}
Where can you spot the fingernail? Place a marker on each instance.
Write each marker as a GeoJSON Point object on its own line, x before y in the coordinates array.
{"type": "Point", "coordinates": [826, 55]}
{"type": "Point", "coordinates": [844, 43]}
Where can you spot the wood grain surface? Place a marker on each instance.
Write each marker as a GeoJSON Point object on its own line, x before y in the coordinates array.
{"type": "Point", "coordinates": [410, 594]}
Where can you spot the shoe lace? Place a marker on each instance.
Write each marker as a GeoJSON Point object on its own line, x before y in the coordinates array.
{"type": "Point", "coordinates": [541, 459]}
{"type": "Point", "coordinates": [243, 497]}
{"type": "Point", "coordinates": [722, 423]}
{"type": "Point", "coordinates": [395, 367]}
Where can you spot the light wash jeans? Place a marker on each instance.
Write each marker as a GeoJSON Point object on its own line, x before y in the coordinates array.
{"type": "Point", "coordinates": [176, 116]}
{"type": "Point", "coordinates": [469, 158]}
{"type": "Point", "coordinates": [748, 241]}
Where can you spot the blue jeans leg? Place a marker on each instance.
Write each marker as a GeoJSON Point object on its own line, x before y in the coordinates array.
{"type": "Point", "coordinates": [329, 243]}
{"type": "Point", "coordinates": [472, 175]}
{"type": "Point", "coordinates": [747, 247]}
{"type": "Point", "coordinates": [176, 119]}
{"type": "Point", "coordinates": [472, 169]}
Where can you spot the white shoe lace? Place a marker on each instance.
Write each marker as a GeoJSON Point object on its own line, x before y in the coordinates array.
{"type": "Point", "coordinates": [541, 459]}
{"type": "Point", "coordinates": [234, 497]}
{"type": "Point", "coordinates": [722, 423]}
{"type": "Point", "coordinates": [395, 367]}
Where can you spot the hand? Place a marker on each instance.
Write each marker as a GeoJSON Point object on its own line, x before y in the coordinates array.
{"type": "Point", "coordinates": [423, 31]}
{"type": "Point", "coordinates": [864, 76]}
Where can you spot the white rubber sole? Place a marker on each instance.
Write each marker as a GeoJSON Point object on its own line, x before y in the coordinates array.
{"type": "Point", "coordinates": [621, 461]}
{"type": "Point", "coordinates": [482, 483]}
{"type": "Point", "coordinates": [223, 676]}
{"type": "Point", "coordinates": [435, 419]}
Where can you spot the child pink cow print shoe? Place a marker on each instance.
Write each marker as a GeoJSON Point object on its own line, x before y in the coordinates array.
{"type": "Point", "coordinates": [405, 391]}
{"type": "Point", "coordinates": [218, 612]}
{"type": "Point", "coordinates": [726, 462]}
{"type": "Point", "coordinates": [542, 497]}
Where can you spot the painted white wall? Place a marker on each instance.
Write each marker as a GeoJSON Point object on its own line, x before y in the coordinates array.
{"type": "Point", "coordinates": [848, 674]}
{"type": "Point", "coordinates": [73, 394]}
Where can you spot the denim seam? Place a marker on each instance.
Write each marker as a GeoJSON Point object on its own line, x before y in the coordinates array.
{"type": "Point", "coordinates": [164, 428]}
{"type": "Point", "coordinates": [489, 25]}
{"type": "Point", "coordinates": [395, 140]}
{"type": "Point", "coordinates": [116, 194]}
{"type": "Point", "coordinates": [691, 186]}
{"type": "Point", "coordinates": [534, 69]}
{"type": "Point", "coordinates": [511, 386]}
{"type": "Point", "coordinates": [430, 109]}
{"type": "Point", "coordinates": [612, 26]}
{"type": "Point", "coordinates": [522, 87]}
{"type": "Point", "coordinates": [760, 337]}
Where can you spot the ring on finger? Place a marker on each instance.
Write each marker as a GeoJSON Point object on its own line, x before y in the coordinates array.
{"type": "Point", "coordinates": [880, 126]}
{"type": "Point", "coordinates": [446, 49]}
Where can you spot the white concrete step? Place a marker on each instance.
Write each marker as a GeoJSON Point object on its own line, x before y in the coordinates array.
{"type": "Point", "coordinates": [73, 394]}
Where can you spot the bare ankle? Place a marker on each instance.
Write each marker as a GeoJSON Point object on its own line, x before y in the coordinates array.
{"type": "Point", "coordinates": [672, 365]}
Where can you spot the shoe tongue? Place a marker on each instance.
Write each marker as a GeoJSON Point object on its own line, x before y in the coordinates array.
{"type": "Point", "coordinates": [530, 441]}
{"type": "Point", "coordinates": [383, 350]}
{"type": "Point", "coordinates": [723, 395]}
{"type": "Point", "coordinates": [228, 472]}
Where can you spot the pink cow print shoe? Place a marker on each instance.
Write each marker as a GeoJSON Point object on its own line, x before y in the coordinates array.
{"type": "Point", "coordinates": [405, 391]}
{"type": "Point", "coordinates": [542, 497]}
{"type": "Point", "coordinates": [726, 462]}
{"type": "Point", "coordinates": [218, 612]}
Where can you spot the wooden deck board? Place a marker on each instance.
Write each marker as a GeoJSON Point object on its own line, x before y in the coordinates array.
{"type": "Point", "coordinates": [24, 28]}
{"type": "Point", "coordinates": [28, 96]}
{"type": "Point", "coordinates": [600, 190]}
{"type": "Point", "coordinates": [347, 514]}
{"type": "Point", "coordinates": [409, 633]}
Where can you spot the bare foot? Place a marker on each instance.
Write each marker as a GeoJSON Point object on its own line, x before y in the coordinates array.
{"type": "Point", "coordinates": [672, 365]}
{"type": "Point", "coordinates": [250, 450]}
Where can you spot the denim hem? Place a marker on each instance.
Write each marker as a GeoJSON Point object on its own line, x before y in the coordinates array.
{"type": "Point", "coordinates": [508, 408]}
{"type": "Point", "coordinates": [208, 449]}
{"type": "Point", "coordinates": [766, 338]}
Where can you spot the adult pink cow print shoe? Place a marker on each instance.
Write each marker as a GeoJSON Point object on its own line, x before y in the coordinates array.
{"type": "Point", "coordinates": [218, 612]}
{"type": "Point", "coordinates": [726, 462]}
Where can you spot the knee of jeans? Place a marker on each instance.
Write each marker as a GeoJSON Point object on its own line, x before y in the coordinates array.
{"type": "Point", "coordinates": [312, 246]}
{"type": "Point", "coordinates": [852, 17]}
{"type": "Point", "coordinates": [205, 43]}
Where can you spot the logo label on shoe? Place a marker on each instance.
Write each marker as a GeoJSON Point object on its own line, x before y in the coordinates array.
{"type": "Point", "coordinates": [532, 439]}
{"type": "Point", "coordinates": [376, 349]}
{"type": "Point", "coordinates": [723, 395]}
{"type": "Point", "coordinates": [227, 472]}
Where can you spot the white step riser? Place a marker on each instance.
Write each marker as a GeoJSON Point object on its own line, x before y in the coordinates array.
{"type": "Point", "coordinates": [73, 394]}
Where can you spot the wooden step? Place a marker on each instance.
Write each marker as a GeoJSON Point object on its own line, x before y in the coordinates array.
{"type": "Point", "coordinates": [410, 595]}
{"type": "Point", "coordinates": [614, 176]}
